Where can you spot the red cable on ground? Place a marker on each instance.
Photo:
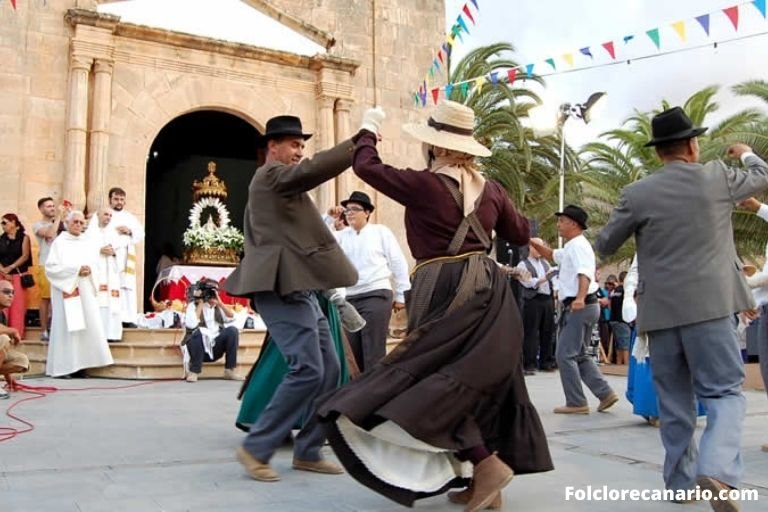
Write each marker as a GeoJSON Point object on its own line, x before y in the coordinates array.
{"type": "Point", "coordinates": [8, 433]}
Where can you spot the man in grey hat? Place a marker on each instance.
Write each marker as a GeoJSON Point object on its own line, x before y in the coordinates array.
{"type": "Point", "coordinates": [577, 290]}
{"type": "Point", "coordinates": [691, 285]}
{"type": "Point", "coordinates": [290, 253]}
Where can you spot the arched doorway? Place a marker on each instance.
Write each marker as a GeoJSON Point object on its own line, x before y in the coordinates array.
{"type": "Point", "coordinates": [178, 156]}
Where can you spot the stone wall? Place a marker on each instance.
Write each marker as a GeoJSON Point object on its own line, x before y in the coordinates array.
{"type": "Point", "coordinates": [34, 42]}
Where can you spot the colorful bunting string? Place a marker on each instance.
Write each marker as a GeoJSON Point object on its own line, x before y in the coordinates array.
{"type": "Point", "coordinates": [732, 13]}
{"type": "Point", "coordinates": [457, 31]}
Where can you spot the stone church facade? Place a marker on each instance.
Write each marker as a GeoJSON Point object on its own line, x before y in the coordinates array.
{"type": "Point", "coordinates": [83, 94]}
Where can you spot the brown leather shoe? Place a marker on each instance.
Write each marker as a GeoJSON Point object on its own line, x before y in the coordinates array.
{"type": "Point", "coordinates": [572, 409]}
{"type": "Point", "coordinates": [489, 477]}
{"type": "Point", "coordinates": [256, 469]}
{"type": "Point", "coordinates": [318, 466]}
{"type": "Point", "coordinates": [608, 402]}
{"type": "Point", "coordinates": [715, 486]}
{"type": "Point", "coordinates": [463, 497]}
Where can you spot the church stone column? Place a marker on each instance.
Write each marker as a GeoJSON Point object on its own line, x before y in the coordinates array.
{"type": "Point", "coordinates": [77, 123]}
{"type": "Point", "coordinates": [326, 193]}
{"type": "Point", "coordinates": [345, 183]}
{"type": "Point", "coordinates": [100, 121]}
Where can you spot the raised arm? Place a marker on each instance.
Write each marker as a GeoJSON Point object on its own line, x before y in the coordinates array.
{"type": "Point", "coordinates": [290, 180]}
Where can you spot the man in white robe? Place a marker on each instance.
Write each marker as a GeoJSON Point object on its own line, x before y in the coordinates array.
{"type": "Point", "coordinates": [77, 335]}
{"type": "Point", "coordinates": [130, 232]}
{"type": "Point", "coordinates": [107, 275]}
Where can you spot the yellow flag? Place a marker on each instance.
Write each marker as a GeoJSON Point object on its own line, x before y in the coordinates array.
{"type": "Point", "coordinates": [479, 82]}
{"type": "Point", "coordinates": [568, 58]}
{"type": "Point", "coordinates": [680, 29]}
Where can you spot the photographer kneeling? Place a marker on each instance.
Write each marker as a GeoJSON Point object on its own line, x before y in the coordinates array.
{"type": "Point", "coordinates": [210, 341]}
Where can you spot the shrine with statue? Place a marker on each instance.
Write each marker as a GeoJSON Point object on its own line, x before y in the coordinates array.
{"type": "Point", "coordinates": [210, 239]}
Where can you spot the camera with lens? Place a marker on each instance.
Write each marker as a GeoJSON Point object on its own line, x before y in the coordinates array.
{"type": "Point", "coordinates": [204, 289]}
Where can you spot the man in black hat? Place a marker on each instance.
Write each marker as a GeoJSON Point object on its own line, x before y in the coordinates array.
{"type": "Point", "coordinates": [289, 253]}
{"type": "Point", "coordinates": [691, 285]}
{"type": "Point", "coordinates": [375, 253]}
{"type": "Point", "coordinates": [577, 291]}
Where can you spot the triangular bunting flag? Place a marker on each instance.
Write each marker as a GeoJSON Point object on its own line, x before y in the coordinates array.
{"type": "Point", "coordinates": [609, 48]}
{"type": "Point", "coordinates": [13, 3]}
{"type": "Point", "coordinates": [654, 35]}
{"type": "Point", "coordinates": [511, 75]}
{"type": "Point", "coordinates": [440, 56]}
{"type": "Point", "coordinates": [587, 52]}
{"type": "Point", "coordinates": [465, 89]}
{"type": "Point", "coordinates": [463, 25]}
{"type": "Point", "coordinates": [416, 98]}
{"type": "Point", "coordinates": [448, 90]}
{"type": "Point", "coordinates": [568, 58]}
{"type": "Point", "coordinates": [628, 39]}
{"type": "Point", "coordinates": [495, 77]}
{"type": "Point", "coordinates": [435, 94]}
{"type": "Point", "coordinates": [529, 70]}
{"type": "Point", "coordinates": [760, 5]}
{"type": "Point", "coordinates": [680, 29]}
{"type": "Point", "coordinates": [474, 2]}
{"type": "Point", "coordinates": [468, 14]}
{"type": "Point", "coordinates": [733, 15]}
{"type": "Point", "coordinates": [479, 82]}
{"type": "Point", "coordinates": [446, 49]}
{"type": "Point", "coordinates": [551, 62]}
{"type": "Point", "coordinates": [461, 38]}
{"type": "Point", "coordinates": [704, 22]}
{"type": "Point", "coordinates": [436, 64]}
{"type": "Point", "coordinates": [431, 72]}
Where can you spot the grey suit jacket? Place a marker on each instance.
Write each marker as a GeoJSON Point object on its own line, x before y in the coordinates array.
{"type": "Point", "coordinates": [288, 247]}
{"type": "Point", "coordinates": [688, 268]}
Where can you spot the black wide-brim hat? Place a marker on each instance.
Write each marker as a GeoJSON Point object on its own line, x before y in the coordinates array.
{"type": "Point", "coordinates": [672, 125]}
{"type": "Point", "coordinates": [285, 126]}
{"type": "Point", "coordinates": [360, 198]}
{"type": "Point", "coordinates": [576, 214]}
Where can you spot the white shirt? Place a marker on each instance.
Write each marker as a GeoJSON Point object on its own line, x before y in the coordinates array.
{"type": "Point", "coordinates": [376, 255]}
{"type": "Point", "coordinates": [209, 319]}
{"type": "Point", "coordinates": [574, 259]}
{"type": "Point", "coordinates": [759, 280]}
{"type": "Point", "coordinates": [540, 272]}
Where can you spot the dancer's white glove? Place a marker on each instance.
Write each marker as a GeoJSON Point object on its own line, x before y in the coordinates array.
{"type": "Point", "coordinates": [373, 119]}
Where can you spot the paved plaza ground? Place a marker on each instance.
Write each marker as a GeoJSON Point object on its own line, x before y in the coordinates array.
{"type": "Point", "coordinates": [169, 446]}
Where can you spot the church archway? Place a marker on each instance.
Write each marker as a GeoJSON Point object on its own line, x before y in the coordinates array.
{"type": "Point", "coordinates": [180, 155]}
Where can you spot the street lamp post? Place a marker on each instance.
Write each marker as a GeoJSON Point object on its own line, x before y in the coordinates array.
{"type": "Point", "coordinates": [581, 111]}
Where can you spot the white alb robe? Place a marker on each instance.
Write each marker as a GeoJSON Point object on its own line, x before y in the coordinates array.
{"type": "Point", "coordinates": [125, 252]}
{"type": "Point", "coordinates": [108, 280]}
{"type": "Point", "coordinates": [77, 335]}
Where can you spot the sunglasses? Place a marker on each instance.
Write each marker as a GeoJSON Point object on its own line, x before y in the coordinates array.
{"type": "Point", "coordinates": [8, 291]}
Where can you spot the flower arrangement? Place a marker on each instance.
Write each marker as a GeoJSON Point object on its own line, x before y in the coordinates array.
{"type": "Point", "coordinates": [214, 234]}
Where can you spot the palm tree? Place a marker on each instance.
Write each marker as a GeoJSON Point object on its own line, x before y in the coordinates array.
{"type": "Point", "coordinates": [525, 165]}
{"type": "Point", "coordinates": [622, 158]}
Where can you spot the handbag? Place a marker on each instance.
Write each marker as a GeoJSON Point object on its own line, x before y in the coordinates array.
{"type": "Point", "coordinates": [27, 280]}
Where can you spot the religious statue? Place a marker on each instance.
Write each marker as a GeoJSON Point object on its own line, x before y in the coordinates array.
{"type": "Point", "coordinates": [214, 242]}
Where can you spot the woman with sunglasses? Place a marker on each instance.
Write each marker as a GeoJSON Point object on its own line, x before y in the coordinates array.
{"type": "Point", "coordinates": [15, 259]}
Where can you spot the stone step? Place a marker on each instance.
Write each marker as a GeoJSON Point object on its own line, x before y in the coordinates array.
{"type": "Point", "coordinates": [153, 354]}
{"type": "Point", "coordinates": [155, 336]}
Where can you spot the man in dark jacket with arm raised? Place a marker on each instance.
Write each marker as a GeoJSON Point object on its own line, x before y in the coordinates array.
{"type": "Point", "coordinates": [290, 253]}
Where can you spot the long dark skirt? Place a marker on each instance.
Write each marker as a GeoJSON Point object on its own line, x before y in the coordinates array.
{"type": "Point", "coordinates": [270, 368]}
{"type": "Point", "coordinates": [455, 382]}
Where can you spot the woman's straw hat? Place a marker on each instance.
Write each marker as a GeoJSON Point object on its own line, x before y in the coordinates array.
{"type": "Point", "coordinates": [450, 126]}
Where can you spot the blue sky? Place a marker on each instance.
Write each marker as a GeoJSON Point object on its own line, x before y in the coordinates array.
{"type": "Point", "coordinates": [540, 29]}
